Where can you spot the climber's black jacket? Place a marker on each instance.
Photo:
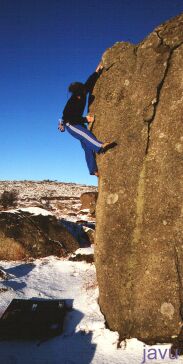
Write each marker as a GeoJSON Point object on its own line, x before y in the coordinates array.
{"type": "Point", "coordinates": [75, 106]}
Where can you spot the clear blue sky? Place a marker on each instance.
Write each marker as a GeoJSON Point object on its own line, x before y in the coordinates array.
{"type": "Point", "coordinates": [45, 45]}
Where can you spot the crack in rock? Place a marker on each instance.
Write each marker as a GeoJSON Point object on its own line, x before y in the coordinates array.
{"type": "Point", "coordinates": [159, 87]}
{"type": "Point", "coordinates": [177, 266]}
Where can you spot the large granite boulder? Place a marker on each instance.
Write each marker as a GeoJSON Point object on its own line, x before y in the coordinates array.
{"type": "Point", "coordinates": [138, 102]}
{"type": "Point", "coordinates": [38, 235]}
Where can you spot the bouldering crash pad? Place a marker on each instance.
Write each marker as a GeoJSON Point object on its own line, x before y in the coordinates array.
{"type": "Point", "coordinates": [33, 319]}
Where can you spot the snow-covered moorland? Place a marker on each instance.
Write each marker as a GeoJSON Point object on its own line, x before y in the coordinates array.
{"type": "Point", "coordinates": [85, 338]}
{"type": "Point", "coordinates": [61, 198]}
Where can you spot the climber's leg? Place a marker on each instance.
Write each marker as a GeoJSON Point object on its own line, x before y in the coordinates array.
{"type": "Point", "coordinates": [86, 136]}
{"type": "Point", "coordinates": [90, 159]}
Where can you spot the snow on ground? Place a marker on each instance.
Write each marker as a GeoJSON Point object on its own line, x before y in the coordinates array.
{"type": "Point", "coordinates": [63, 199]}
{"type": "Point", "coordinates": [36, 211]}
{"type": "Point", "coordinates": [85, 339]}
{"type": "Point", "coordinates": [31, 210]}
{"type": "Point", "coordinates": [85, 251]}
{"type": "Point", "coordinates": [41, 189]}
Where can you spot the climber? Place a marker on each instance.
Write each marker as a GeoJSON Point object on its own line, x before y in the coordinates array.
{"type": "Point", "coordinates": [75, 123]}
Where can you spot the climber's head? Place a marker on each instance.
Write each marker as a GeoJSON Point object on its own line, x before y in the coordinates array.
{"type": "Point", "coordinates": [77, 88]}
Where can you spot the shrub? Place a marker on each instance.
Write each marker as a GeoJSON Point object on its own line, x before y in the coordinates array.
{"type": "Point", "coordinates": [9, 198]}
{"type": "Point", "coordinates": [11, 250]}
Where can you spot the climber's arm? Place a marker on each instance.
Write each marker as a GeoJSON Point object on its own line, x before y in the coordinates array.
{"type": "Point", "coordinates": [90, 83]}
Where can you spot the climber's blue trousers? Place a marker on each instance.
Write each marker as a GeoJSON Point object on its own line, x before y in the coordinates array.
{"type": "Point", "coordinates": [89, 143]}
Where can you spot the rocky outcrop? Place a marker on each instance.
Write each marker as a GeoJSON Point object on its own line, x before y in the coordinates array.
{"type": "Point", "coordinates": [139, 241]}
{"type": "Point", "coordinates": [38, 235]}
{"type": "Point", "coordinates": [88, 258]}
{"type": "Point", "coordinates": [62, 199]}
{"type": "Point", "coordinates": [88, 201]}
{"type": "Point", "coordinates": [82, 231]}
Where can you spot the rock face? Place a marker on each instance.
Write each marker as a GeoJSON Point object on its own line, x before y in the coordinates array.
{"type": "Point", "coordinates": [139, 235]}
{"type": "Point", "coordinates": [38, 235]}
